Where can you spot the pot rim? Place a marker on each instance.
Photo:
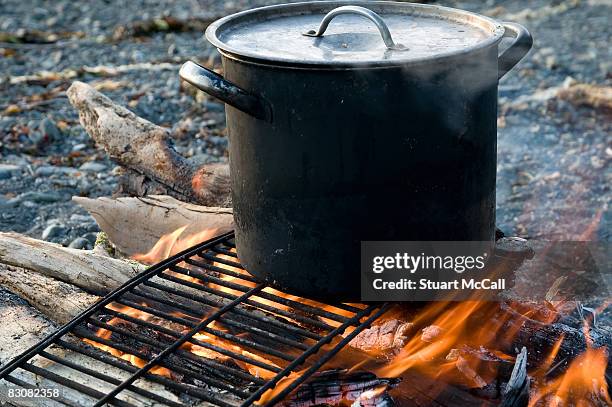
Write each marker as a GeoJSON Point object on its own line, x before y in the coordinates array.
{"type": "Point", "coordinates": [495, 28]}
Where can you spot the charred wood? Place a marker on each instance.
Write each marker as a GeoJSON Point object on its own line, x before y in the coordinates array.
{"type": "Point", "coordinates": [517, 389]}
{"type": "Point", "coordinates": [145, 148]}
{"type": "Point", "coordinates": [334, 386]}
{"type": "Point", "coordinates": [540, 338]}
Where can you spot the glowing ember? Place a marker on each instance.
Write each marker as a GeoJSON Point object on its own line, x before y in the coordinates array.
{"type": "Point", "coordinates": [106, 334]}
{"type": "Point", "coordinates": [448, 326]}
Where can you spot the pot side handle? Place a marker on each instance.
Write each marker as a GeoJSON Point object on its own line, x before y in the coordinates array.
{"type": "Point", "coordinates": [517, 50]}
{"type": "Point", "coordinates": [217, 86]}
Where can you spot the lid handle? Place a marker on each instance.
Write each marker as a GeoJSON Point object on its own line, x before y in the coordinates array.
{"type": "Point", "coordinates": [361, 11]}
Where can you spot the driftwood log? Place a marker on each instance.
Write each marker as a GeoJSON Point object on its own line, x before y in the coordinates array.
{"type": "Point", "coordinates": [22, 325]}
{"type": "Point", "coordinates": [144, 147]}
{"type": "Point", "coordinates": [57, 300]}
{"type": "Point", "coordinates": [153, 217]}
{"type": "Point", "coordinates": [82, 268]}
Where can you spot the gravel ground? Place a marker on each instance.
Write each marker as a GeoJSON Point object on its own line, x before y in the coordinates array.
{"type": "Point", "coordinates": [553, 157]}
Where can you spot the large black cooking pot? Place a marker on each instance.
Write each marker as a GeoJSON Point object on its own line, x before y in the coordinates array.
{"type": "Point", "coordinates": [350, 123]}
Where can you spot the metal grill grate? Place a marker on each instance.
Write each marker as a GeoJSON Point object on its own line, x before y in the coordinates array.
{"type": "Point", "coordinates": [206, 331]}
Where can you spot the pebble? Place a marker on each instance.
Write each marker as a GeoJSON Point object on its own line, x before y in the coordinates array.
{"type": "Point", "coordinates": [36, 137]}
{"type": "Point", "coordinates": [53, 231]}
{"type": "Point", "coordinates": [91, 237]}
{"type": "Point", "coordinates": [217, 140]}
{"type": "Point", "coordinates": [79, 147]}
{"type": "Point", "coordinates": [8, 170]}
{"type": "Point", "coordinates": [49, 130]}
{"type": "Point", "coordinates": [48, 170]}
{"type": "Point", "coordinates": [39, 197]}
{"type": "Point", "coordinates": [93, 227]}
{"type": "Point", "coordinates": [79, 243]}
{"type": "Point", "coordinates": [81, 218]}
{"type": "Point", "coordinates": [93, 166]}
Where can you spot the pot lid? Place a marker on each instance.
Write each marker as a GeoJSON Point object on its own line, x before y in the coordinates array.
{"type": "Point", "coordinates": [351, 33]}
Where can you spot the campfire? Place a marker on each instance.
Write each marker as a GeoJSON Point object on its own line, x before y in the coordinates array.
{"type": "Point", "coordinates": [349, 354]}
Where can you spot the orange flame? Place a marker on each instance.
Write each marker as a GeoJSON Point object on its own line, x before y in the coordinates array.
{"type": "Point", "coordinates": [448, 326]}
{"type": "Point", "coordinates": [173, 243]}
{"type": "Point", "coordinates": [582, 385]}
{"type": "Point", "coordinates": [106, 334]}
{"type": "Point", "coordinates": [280, 386]}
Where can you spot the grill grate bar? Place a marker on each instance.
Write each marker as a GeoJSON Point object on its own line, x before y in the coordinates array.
{"type": "Point", "coordinates": [250, 331]}
{"type": "Point", "coordinates": [215, 332]}
{"type": "Point", "coordinates": [109, 379]}
{"type": "Point", "coordinates": [71, 384]}
{"type": "Point", "coordinates": [222, 260]}
{"type": "Point", "coordinates": [212, 267]}
{"type": "Point", "coordinates": [224, 251]}
{"type": "Point", "coordinates": [268, 296]}
{"type": "Point", "coordinates": [237, 311]}
{"type": "Point", "coordinates": [201, 362]}
{"type": "Point", "coordinates": [247, 277]}
{"type": "Point", "coordinates": [266, 307]}
{"type": "Point", "coordinates": [153, 362]}
{"type": "Point", "coordinates": [187, 389]}
{"type": "Point", "coordinates": [156, 269]}
{"type": "Point", "coordinates": [161, 345]}
{"type": "Point", "coordinates": [212, 331]}
{"type": "Point", "coordinates": [268, 335]}
{"type": "Point", "coordinates": [229, 322]}
{"type": "Point", "coordinates": [297, 362]}
{"type": "Point", "coordinates": [188, 323]}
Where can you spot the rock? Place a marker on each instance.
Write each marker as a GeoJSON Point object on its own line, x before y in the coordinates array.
{"type": "Point", "coordinates": [93, 227]}
{"type": "Point", "coordinates": [93, 166]}
{"type": "Point", "coordinates": [91, 237]}
{"type": "Point", "coordinates": [81, 218]}
{"type": "Point", "coordinates": [53, 231]}
{"type": "Point", "coordinates": [79, 147]}
{"type": "Point", "coordinates": [7, 123]}
{"type": "Point", "coordinates": [48, 170]}
{"type": "Point", "coordinates": [49, 129]}
{"type": "Point", "coordinates": [80, 243]}
{"type": "Point", "coordinates": [36, 137]}
{"type": "Point", "coordinates": [219, 141]}
{"type": "Point", "coordinates": [12, 109]}
{"type": "Point", "coordinates": [8, 170]}
{"type": "Point", "coordinates": [40, 197]}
